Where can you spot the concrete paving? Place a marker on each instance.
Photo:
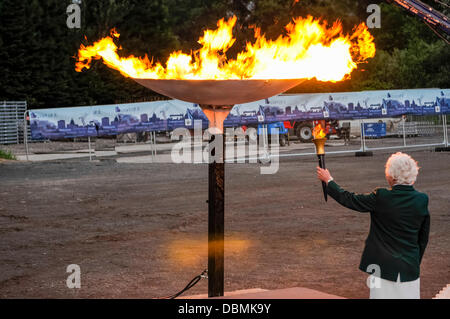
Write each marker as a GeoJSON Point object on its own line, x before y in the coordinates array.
{"type": "Point", "coordinates": [163, 153]}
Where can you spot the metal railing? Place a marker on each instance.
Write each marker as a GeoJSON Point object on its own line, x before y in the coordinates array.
{"type": "Point", "coordinates": [11, 125]}
{"type": "Point", "coordinates": [413, 132]}
{"type": "Point", "coordinates": [401, 133]}
{"type": "Point", "coordinates": [408, 132]}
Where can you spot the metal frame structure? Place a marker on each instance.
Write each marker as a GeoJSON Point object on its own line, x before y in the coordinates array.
{"type": "Point", "coordinates": [364, 147]}
{"type": "Point", "coordinates": [10, 122]}
{"type": "Point", "coordinates": [426, 13]}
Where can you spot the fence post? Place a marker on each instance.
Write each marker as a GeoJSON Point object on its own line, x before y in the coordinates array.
{"type": "Point", "coordinates": [263, 137]}
{"type": "Point", "coordinates": [404, 131]}
{"type": "Point", "coordinates": [25, 132]}
{"type": "Point", "coordinates": [152, 145]}
{"type": "Point", "coordinates": [444, 125]}
{"type": "Point", "coordinates": [266, 139]}
{"type": "Point", "coordinates": [363, 136]}
{"type": "Point", "coordinates": [150, 137]}
{"type": "Point", "coordinates": [154, 140]}
{"type": "Point", "coordinates": [89, 143]}
{"type": "Point", "coordinates": [17, 124]}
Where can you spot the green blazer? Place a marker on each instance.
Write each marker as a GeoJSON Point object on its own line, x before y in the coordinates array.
{"type": "Point", "coordinates": [399, 228]}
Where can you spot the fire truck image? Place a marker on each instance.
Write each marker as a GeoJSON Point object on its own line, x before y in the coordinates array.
{"type": "Point", "coordinates": [300, 129]}
{"type": "Point", "coordinates": [303, 129]}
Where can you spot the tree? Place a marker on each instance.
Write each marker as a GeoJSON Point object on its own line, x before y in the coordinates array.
{"type": "Point", "coordinates": [14, 51]}
{"type": "Point", "coordinates": [37, 49]}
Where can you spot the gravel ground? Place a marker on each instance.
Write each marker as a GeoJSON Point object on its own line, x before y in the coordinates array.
{"type": "Point", "coordinates": [140, 230]}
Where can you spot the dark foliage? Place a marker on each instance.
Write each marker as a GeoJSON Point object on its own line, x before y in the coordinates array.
{"type": "Point", "coordinates": [37, 49]}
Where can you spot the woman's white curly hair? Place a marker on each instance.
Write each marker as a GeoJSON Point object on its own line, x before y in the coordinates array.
{"type": "Point", "coordinates": [402, 168]}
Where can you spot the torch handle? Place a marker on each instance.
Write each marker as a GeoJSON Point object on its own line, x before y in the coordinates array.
{"type": "Point", "coordinates": [324, 185]}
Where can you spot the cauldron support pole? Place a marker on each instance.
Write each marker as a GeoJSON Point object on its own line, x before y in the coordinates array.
{"type": "Point", "coordinates": [216, 199]}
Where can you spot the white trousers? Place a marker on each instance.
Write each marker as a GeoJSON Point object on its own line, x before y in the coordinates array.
{"type": "Point", "coordinates": [385, 289]}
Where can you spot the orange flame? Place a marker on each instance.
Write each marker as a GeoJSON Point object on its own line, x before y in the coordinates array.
{"type": "Point", "coordinates": [114, 33]}
{"type": "Point", "coordinates": [310, 49]}
{"type": "Point", "coordinates": [318, 132]}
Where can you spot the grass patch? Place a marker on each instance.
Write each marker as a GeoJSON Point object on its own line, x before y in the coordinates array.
{"type": "Point", "coordinates": [7, 155]}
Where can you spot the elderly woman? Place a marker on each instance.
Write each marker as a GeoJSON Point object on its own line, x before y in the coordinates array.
{"type": "Point", "coordinates": [399, 228]}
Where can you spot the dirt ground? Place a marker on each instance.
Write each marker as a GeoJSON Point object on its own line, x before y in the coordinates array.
{"type": "Point", "coordinates": [140, 230]}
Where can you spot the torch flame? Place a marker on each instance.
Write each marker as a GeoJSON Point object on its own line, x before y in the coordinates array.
{"type": "Point", "coordinates": [318, 132]}
{"type": "Point", "coordinates": [310, 49]}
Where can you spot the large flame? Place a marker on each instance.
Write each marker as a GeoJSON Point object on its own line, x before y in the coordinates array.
{"type": "Point", "coordinates": [310, 49]}
{"type": "Point", "coordinates": [318, 132]}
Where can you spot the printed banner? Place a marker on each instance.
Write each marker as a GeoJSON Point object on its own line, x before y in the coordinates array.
{"type": "Point", "coordinates": [167, 115]}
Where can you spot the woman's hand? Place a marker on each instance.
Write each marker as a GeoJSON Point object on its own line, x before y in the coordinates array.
{"type": "Point", "coordinates": [323, 174]}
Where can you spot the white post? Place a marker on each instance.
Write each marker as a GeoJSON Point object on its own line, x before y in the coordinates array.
{"type": "Point", "coordinates": [363, 136]}
{"type": "Point", "coordinates": [444, 126]}
{"type": "Point", "coordinates": [89, 143]}
{"type": "Point", "coordinates": [154, 138]}
{"type": "Point", "coordinates": [266, 139]}
{"type": "Point", "coordinates": [25, 132]}
{"type": "Point", "coordinates": [150, 136]}
{"type": "Point", "coordinates": [152, 146]}
{"type": "Point", "coordinates": [261, 134]}
{"type": "Point", "coordinates": [404, 131]}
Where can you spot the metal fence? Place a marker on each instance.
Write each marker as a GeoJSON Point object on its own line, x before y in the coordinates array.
{"type": "Point", "coordinates": [11, 121]}
{"type": "Point", "coordinates": [412, 131]}
{"type": "Point", "coordinates": [408, 132]}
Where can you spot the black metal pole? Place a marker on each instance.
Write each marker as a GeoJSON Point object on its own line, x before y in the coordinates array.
{"type": "Point", "coordinates": [324, 185]}
{"type": "Point", "coordinates": [216, 201]}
